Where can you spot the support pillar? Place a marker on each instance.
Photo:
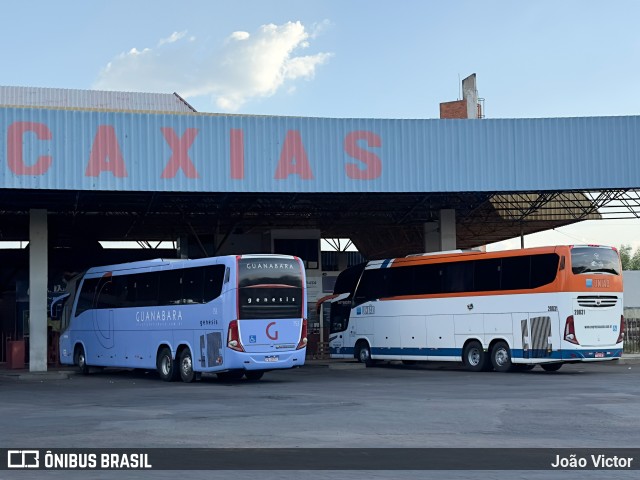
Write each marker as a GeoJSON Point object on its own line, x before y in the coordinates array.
{"type": "Point", "coordinates": [183, 247]}
{"type": "Point", "coordinates": [448, 229]}
{"type": "Point", "coordinates": [441, 235]}
{"type": "Point", "coordinates": [38, 279]}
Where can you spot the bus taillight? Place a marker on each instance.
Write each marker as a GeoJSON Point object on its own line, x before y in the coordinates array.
{"type": "Point", "coordinates": [621, 335]}
{"type": "Point", "coordinates": [570, 331]}
{"type": "Point", "coordinates": [233, 337]}
{"type": "Point", "coordinates": [303, 335]}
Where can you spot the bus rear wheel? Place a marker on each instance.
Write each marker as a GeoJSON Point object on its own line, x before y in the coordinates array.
{"type": "Point", "coordinates": [501, 357]}
{"type": "Point", "coordinates": [475, 358]}
{"type": "Point", "coordinates": [187, 374]}
{"type": "Point", "coordinates": [551, 367]}
{"type": "Point", "coordinates": [166, 366]}
{"type": "Point", "coordinates": [81, 360]}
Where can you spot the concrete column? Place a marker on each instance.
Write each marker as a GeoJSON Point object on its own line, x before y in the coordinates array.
{"type": "Point", "coordinates": [38, 279]}
{"type": "Point", "coordinates": [441, 235]}
{"type": "Point", "coordinates": [343, 261]}
{"type": "Point", "coordinates": [448, 229]}
{"type": "Point", "coordinates": [432, 237]}
{"type": "Point", "coordinates": [183, 246]}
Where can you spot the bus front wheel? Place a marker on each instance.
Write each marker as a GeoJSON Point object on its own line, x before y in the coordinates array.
{"type": "Point", "coordinates": [187, 374]}
{"type": "Point", "coordinates": [166, 366]}
{"type": "Point", "coordinates": [501, 357]}
{"type": "Point", "coordinates": [81, 360]}
{"type": "Point", "coordinates": [364, 354]}
{"type": "Point", "coordinates": [474, 357]}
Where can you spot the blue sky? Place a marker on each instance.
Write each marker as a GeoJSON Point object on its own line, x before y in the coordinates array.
{"type": "Point", "coordinates": [341, 58]}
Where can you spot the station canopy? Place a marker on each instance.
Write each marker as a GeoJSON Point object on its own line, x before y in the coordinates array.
{"type": "Point", "coordinates": [126, 166]}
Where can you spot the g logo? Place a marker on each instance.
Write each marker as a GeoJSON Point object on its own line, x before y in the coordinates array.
{"type": "Point", "coordinates": [271, 337]}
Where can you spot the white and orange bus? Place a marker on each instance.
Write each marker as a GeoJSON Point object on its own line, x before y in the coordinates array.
{"type": "Point", "coordinates": [490, 310]}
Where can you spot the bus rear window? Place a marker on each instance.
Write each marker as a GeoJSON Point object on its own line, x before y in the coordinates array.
{"type": "Point", "coordinates": [594, 260]}
{"type": "Point", "coordinates": [269, 288]}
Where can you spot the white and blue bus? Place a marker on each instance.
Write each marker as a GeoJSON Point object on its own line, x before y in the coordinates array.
{"type": "Point", "coordinates": [503, 311]}
{"type": "Point", "coordinates": [231, 315]}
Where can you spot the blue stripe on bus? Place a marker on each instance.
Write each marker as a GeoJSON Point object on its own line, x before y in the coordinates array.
{"type": "Point", "coordinates": [431, 352]}
{"type": "Point", "coordinates": [566, 354]}
{"type": "Point", "coordinates": [386, 263]}
{"type": "Point", "coordinates": [541, 354]}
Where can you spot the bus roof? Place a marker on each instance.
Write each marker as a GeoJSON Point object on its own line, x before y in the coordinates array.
{"type": "Point", "coordinates": [161, 262]}
{"type": "Point", "coordinates": [450, 255]}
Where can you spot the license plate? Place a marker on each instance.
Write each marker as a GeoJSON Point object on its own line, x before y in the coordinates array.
{"type": "Point", "coordinates": [599, 355]}
{"type": "Point", "coordinates": [272, 358]}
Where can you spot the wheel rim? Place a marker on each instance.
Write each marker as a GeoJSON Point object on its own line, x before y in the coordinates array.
{"type": "Point", "coordinates": [473, 357]}
{"type": "Point", "coordinates": [165, 365]}
{"type": "Point", "coordinates": [81, 360]}
{"type": "Point", "coordinates": [186, 366]}
{"type": "Point", "coordinates": [502, 357]}
{"type": "Point", "coordinates": [364, 354]}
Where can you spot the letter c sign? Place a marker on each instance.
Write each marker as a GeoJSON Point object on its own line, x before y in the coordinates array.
{"type": "Point", "coordinates": [271, 337]}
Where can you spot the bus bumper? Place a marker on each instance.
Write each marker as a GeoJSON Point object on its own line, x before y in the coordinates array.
{"type": "Point", "coordinates": [269, 361]}
{"type": "Point", "coordinates": [591, 355]}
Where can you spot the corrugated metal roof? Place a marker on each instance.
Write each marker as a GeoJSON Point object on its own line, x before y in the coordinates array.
{"type": "Point", "coordinates": [93, 150]}
{"type": "Point", "coordinates": [92, 99]}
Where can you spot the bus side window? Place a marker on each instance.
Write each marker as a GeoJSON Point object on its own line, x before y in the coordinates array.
{"type": "Point", "coordinates": [544, 269]}
{"type": "Point", "coordinates": [170, 287]}
{"type": "Point", "coordinates": [87, 295]}
{"type": "Point", "coordinates": [425, 280]}
{"type": "Point", "coordinates": [146, 288]}
{"type": "Point", "coordinates": [371, 287]}
{"type": "Point", "coordinates": [193, 285]}
{"type": "Point", "coordinates": [516, 273]}
{"type": "Point", "coordinates": [486, 275]}
{"type": "Point", "coordinates": [214, 276]}
{"type": "Point", "coordinates": [107, 296]}
{"type": "Point", "coordinates": [458, 277]}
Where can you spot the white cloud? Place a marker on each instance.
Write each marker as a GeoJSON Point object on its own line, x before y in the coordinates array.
{"type": "Point", "coordinates": [174, 37]}
{"type": "Point", "coordinates": [245, 66]}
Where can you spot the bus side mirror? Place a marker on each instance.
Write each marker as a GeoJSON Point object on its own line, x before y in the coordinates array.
{"type": "Point", "coordinates": [56, 306]}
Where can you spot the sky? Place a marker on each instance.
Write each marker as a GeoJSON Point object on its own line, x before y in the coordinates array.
{"type": "Point", "coordinates": [344, 59]}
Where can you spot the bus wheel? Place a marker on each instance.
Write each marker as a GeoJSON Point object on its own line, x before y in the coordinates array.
{"type": "Point", "coordinates": [186, 366]}
{"type": "Point", "coordinates": [551, 367]}
{"type": "Point", "coordinates": [364, 355]}
{"type": "Point", "coordinates": [474, 357]}
{"type": "Point", "coordinates": [166, 366]}
{"type": "Point", "coordinates": [253, 375]}
{"type": "Point", "coordinates": [501, 357]}
{"type": "Point", "coordinates": [81, 360]}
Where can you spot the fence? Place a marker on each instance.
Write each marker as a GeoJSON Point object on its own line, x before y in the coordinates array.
{"type": "Point", "coordinates": [632, 335]}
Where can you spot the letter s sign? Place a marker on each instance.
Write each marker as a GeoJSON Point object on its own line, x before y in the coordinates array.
{"type": "Point", "coordinates": [275, 335]}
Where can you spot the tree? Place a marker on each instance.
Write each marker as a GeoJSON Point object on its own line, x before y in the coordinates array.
{"type": "Point", "coordinates": [635, 261]}
{"type": "Point", "coordinates": [625, 256]}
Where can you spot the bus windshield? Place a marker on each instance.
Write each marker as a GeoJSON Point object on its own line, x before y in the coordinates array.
{"type": "Point", "coordinates": [269, 288]}
{"type": "Point", "coordinates": [340, 308]}
{"type": "Point", "coordinates": [594, 260]}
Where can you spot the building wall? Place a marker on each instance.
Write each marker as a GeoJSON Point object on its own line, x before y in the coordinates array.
{"type": "Point", "coordinates": [631, 289]}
